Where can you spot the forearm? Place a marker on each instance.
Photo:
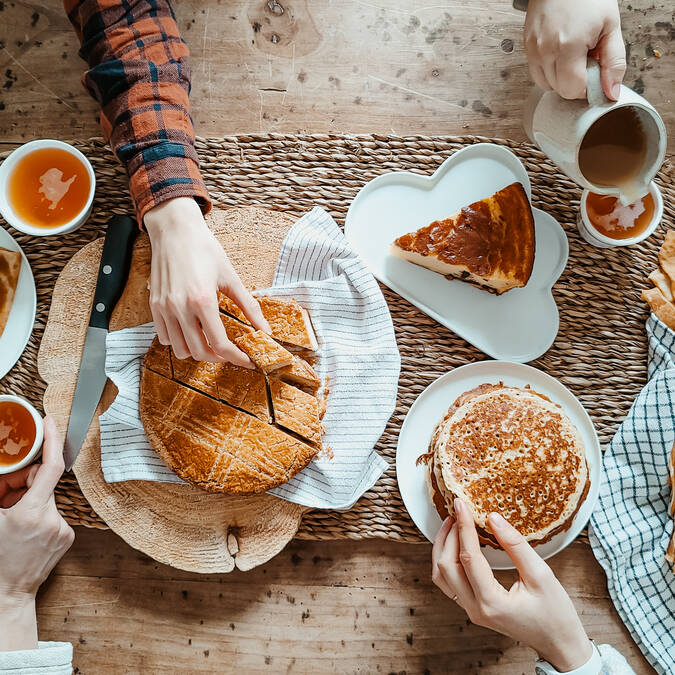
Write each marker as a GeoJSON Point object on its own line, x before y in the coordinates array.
{"type": "Point", "coordinates": [139, 72]}
{"type": "Point", "coordinates": [19, 624]}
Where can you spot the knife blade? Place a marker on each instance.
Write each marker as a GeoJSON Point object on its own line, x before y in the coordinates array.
{"type": "Point", "coordinates": [113, 272]}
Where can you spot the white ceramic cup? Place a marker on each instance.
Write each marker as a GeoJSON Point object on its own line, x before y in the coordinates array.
{"type": "Point", "coordinates": [39, 435]}
{"type": "Point", "coordinates": [558, 126]}
{"type": "Point", "coordinates": [592, 236]}
{"type": "Point", "coordinates": [11, 216]}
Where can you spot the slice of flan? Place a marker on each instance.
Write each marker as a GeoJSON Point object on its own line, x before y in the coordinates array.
{"type": "Point", "coordinates": [489, 243]}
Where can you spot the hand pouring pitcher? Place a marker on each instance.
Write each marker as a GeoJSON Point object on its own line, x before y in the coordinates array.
{"type": "Point", "coordinates": [565, 129]}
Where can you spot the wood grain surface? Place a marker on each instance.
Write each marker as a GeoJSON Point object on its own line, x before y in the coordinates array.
{"type": "Point", "coordinates": [364, 66]}
{"type": "Point", "coordinates": [402, 66]}
{"type": "Point", "coordinates": [318, 607]}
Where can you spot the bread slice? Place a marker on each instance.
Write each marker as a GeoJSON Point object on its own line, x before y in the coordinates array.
{"type": "Point", "coordinates": [10, 267]}
{"type": "Point", "coordinates": [490, 243]}
{"type": "Point", "coordinates": [264, 351]}
{"type": "Point", "coordinates": [663, 309]}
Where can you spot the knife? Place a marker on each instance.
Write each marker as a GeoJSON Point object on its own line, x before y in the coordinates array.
{"type": "Point", "coordinates": [112, 277]}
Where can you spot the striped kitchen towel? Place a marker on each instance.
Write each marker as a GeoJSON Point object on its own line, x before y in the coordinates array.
{"type": "Point", "coordinates": [357, 352]}
{"type": "Point", "coordinates": [630, 527]}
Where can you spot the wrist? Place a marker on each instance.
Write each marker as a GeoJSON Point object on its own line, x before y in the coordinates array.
{"type": "Point", "coordinates": [570, 656]}
{"type": "Point", "coordinates": [177, 212]}
{"type": "Point", "coordinates": [19, 622]}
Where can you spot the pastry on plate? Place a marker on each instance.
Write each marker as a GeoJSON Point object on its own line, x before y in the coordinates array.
{"type": "Point", "coordinates": [512, 451]}
{"type": "Point", "coordinates": [490, 243]}
{"type": "Point", "coordinates": [10, 266]}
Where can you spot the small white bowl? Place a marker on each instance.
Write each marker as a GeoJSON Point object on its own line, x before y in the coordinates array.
{"type": "Point", "coordinates": [39, 435]}
{"type": "Point", "coordinates": [592, 236]}
{"type": "Point", "coordinates": [8, 212]}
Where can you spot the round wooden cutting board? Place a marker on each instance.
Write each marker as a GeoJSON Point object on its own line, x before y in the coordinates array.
{"type": "Point", "coordinates": [179, 525]}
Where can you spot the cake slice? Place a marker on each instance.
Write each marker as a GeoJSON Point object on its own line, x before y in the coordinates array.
{"type": "Point", "coordinates": [243, 388]}
{"type": "Point", "coordinates": [300, 373]}
{"type": "Point", "coordinates": [289, 322]}
{"type": "Point", "coordinates": [489, 243]}
{"type": "Point", "coordinates": [264, 351]}
{"type": "Point", "coordinates": [296, 411]}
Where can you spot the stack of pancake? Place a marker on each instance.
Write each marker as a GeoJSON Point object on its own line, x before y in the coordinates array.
{"type": "Point", "coordinates": [512, 451]}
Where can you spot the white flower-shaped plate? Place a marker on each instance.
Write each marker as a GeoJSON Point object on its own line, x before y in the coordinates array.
{"type": "Point", "coordinates": [519, 325]}
{"type": "Point", "coordinates": [432, 404]}
{"type": "Point", "coordinates": [22, 314]}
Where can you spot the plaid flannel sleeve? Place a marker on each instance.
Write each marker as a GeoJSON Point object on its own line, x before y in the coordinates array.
{"type": "Point", "coordinates": [139, 72]}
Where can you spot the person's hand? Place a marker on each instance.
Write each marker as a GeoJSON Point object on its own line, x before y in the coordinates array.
{"type": "Point", "coordinates": [34, 538]}
{"type": "Point", "coordinates": [559, 35]}
{"type": "Point", "coordinates": [189, 267]}
{"type": "Point", "coordinates": [536, 610]}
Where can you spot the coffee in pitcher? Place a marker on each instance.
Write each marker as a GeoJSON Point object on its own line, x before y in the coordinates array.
{"type": "Point", "coordinates": [613, 152]}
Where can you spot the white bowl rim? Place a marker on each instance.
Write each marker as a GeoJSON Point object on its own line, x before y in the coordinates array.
{"type": "Point", "coordinates": [649, 230]}
{"type": "Point", "coordinates": [39, 434]}
{"type": "Point", "coordinates": [8, 164]}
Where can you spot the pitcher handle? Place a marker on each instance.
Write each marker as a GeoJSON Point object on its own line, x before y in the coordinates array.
{"type": "Point", "coordinates": [594, 91]}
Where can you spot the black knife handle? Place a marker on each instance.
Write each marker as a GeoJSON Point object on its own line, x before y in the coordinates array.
{"type": "Point", "coordinates": [114, 268]}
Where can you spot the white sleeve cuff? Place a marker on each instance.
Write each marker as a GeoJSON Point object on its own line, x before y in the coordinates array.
{"type": "Point", "coordinates": [605, 660]}
{"type": "Point", "coordinates": [51, 658]}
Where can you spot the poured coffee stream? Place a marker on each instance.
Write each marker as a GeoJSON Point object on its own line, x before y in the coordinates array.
{"type": "Point", "coordinates": [613, 153]}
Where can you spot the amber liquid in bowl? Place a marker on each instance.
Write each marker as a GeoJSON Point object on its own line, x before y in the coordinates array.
{"type": "Point", "coordinates": [17, 432]}
{"type": "Point", "coordinates": [609, 217]}
{"type": "Point", "coordinates": [48, 187]}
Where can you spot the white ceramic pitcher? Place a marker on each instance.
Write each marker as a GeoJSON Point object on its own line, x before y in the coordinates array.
{"type": "Point", "coordinates": [558, 127]}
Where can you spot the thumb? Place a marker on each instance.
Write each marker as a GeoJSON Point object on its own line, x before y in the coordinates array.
{"type": "Point", "coordinates": [611, 53]}
{"type": "Point", "coordinates": [528, 563]}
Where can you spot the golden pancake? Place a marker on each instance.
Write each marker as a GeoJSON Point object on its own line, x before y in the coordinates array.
{"type": "Point", "coordinates": [10, 266]}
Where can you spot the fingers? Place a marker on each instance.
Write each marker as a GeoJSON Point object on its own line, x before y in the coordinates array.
{"type": "Point", "coordinates": [439, 542]}
{"type": "Point", "coordinates": [473, 561]}
{"type": "Point", "coordinates": [219, 343]}
{"type": "Point", "coordinates": [235, 289]}
{"type": "Point", "coordinates": [176, 338]}
{"type": "Point", "coordinates": [51, 469]}
{"type": "Point", "coordinates": [611, 53]}
{"type": "Point", "coordinates": [160, 326]}
{"type": "Point", "coordinates": [16, 480]}
{"type": "Point", "coordinates": [12, 498]}
{"type": "Point", "coordinates": [528, 563]}
{"type": "Point", "coordinates": [452, 579]}
{"type": "Point", "coordinates": [570, 71]}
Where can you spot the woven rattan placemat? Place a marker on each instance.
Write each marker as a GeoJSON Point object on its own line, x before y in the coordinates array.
{"type": "Point", "coordinates": [600, 351]}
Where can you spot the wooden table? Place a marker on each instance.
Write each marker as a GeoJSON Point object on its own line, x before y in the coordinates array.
{"type": "Point", "coordinates": [388, 66]}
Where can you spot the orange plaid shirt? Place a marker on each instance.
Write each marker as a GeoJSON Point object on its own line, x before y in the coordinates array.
{"type": "Point", "coordinates": [139, 72]}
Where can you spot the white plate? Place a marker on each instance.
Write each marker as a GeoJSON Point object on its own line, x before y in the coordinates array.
{"type": "Point", "coordinates": [517, 326]}
{"type": "Point", "coordinates": [432, 404]}
{"type": "Point", "coordinates": [22, 315]}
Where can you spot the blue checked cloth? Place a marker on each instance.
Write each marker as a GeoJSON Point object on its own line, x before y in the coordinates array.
{"type": "Point", "coordinates": [630, 528]}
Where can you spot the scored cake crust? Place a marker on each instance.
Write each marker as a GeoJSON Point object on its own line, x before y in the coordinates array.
{"type": "Point", "coordinates": [213, 445]}
{"type": "Point", "coordinates": [490, 243]}
{"type": "Point", "coordinates": [513, 451]}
